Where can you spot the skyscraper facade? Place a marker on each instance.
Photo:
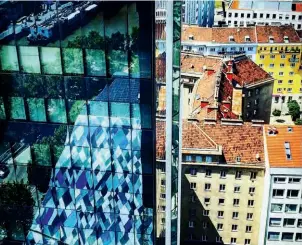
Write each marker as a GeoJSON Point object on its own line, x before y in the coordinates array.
{"type": "Point", "coordinates": [77, 123]}
{"type": "Point", "coordinates": [200, 12]}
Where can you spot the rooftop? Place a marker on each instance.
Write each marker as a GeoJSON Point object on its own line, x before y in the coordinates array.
{"type": "Point", "coordinates": [244, 141]}
{"type": "Point", "coordinates": [276, 137]}
{"type": "Point", "coordinates": [255, 34]}
{"type": "Point", "coordinates": [278, 33]}
{"type": "Point", "coordinates": [281, 6]}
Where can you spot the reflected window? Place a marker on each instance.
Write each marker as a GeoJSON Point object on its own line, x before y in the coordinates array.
{"type": "Point", "coordinates": [73, 61]}
{"type": "Point", "coordinates": [95, 62]}
{"type": "Point", "coordinates": [17, 110]}
{"type": "Point", "coordinates": [36, 109]}
{"type": "Point", "coordinates": [51, 60]}
{"type": "Point", "coordinates": [9, 58]}
{"type": "Point", "coordinates": [56, 110]}
{"type": "Point", "coordinates": [29, 59]}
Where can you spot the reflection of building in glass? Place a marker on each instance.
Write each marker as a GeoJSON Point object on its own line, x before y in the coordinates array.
{"type": "Point", "coordinates": [77, 126]}
{"type": "Point", "coordinates": [199, 12]}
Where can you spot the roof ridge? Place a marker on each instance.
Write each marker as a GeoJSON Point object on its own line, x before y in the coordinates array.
{"type": "Point", "coordinates": [206, 135]}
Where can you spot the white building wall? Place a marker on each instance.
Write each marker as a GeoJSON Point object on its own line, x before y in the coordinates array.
{"type": "Point", "coordinates": [284, 173]}
{"type": "Point", "coordinates": [243, 17]}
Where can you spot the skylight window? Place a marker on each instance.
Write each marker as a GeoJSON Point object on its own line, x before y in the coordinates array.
{"type": "Point", "coordinates": [271, 39]}
{"type": "Point", "coordinates": [247, 38]}
{"type": "Point", "coordinates": [286, 40]}
{"type": "Point", "coordinates": [287, 151]}
{"type": "Point", "coordinates": [231, 39]}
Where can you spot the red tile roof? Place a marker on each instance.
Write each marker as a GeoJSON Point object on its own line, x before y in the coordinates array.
{"type": "Point", "coordinates": [195, 63]}
{"type": "Point", "coordinates": [246, 72]}
{"type": "Point", "coordinates": [278, 32]}
{"type": "Point", "coordinates": [244, 141]}
{"type": "Point", "coordinates": [276, 148]}
{"type": "Point", "coordinates": [201, 34]}
{"type": "Point", "coordinates": [222, 34]}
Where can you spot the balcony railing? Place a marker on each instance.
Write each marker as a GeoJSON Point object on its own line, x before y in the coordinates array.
{"type": "Point", "coordinates": [293, 60]}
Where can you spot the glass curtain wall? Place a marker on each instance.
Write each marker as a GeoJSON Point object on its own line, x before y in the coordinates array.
{"type": "Point", "coordinates": [77, 122]}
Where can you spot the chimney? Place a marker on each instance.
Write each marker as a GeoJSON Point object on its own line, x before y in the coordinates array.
{"type": "Point", "coordinates": [210, 71]}
{"type": "Point", "coordinates": [203, 103]}
{"type": "Point", "coordinates": [229, 73]}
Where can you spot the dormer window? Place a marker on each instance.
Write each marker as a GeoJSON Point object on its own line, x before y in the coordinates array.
{"type": "Point", "coordinates": [271, 39]}
{"type": "Point", "coordinates": [238, 159]}
{"type": "Point", "coordinates": [191, 37]}
{"type": "Point", "coordinates": [286, 40]}
{"type": "Point", "coordinates": [247, 38]}
{"type": "Point", "coordinates": [231, 39]}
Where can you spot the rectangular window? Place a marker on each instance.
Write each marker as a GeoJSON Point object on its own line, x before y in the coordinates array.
{"type": "Point", "coordinates": [236, 189]}
{"type": "Point", "coordinates": [36, 108]}
{"type": "Point", "coordinates": [207, 200]}
{"type": "Point", "coordinates": [298, 237]}
{"type": "Point", "coordinates": [291, 208]}
{"type": "Point", "coordinates": [193, 198]}
{"type": "Point", "coordinates": [222, 174]}
{"type": "Point", "coordinates": [247, 241]}
{"type": "Point", "coordinates": [191, 224]}
{"type": "Point", "coordinates": [219, 227]}
{"type": "Point", "coordinates": [251, 203]}
{"type": "Point", "coordinates": [73, 61]}
{"type": "Point", "coordinates": [188, 158]}
{"type": "Point", "coordinates": [162, 196]}
{"type": "Point", "coordinates": [9, 58]}
{"type": "Point", "coordinates": [222, 187]}
{"type": "Point", "coordinates": [236, 202]}
{"type": "Point", "coordinates": [206, 212]}
{"type": "Point", "coordinates": [17, 109]}
{"type": "Point", "coordinates": [262, 57]}
{"type": "Point", "coordinates": [193, 185]}
{"type": "Point", "coordinates": [292, 193]}
{"type": "Point", "coordinates": [290, 81]}
{"type": "Point", "coordinates": [278, 193]}
{"type": "Point", "coordinates": [289, 90]}
{"type": "Point", "coordinates": [276, 207]}
{"type": "Point", "coordinates": [281, 65]}
{"type": "Point", "coordinates": [271, 65]}
{"type": "Point", "coordinates": [220, 214]}
{"type": "Point", "coordinates": [249, 216]}
{"type": "Point", "coordinates": [193, 172]}
{"type": "Point", "coordinates": [219, 239]}
{"type": "Point", "coordinates": [287, 236]}
{"type": "Point", "coordinates": [208, 173]}
{"type": "Point", "coordinates": [205, 225]}
{"type": "Point", "coordinates": [248, 229]}
{"type": "Point", "coordinates": [204, 238]}
{"type": "Point", "coordinates": [233, 240]}
{"type": "Point", "coordinates": [29, 59]}
{"type": "Point", "coordinates": [294, 180]}
{"type": "Point", "coordinates": [95, 62]}
{"type": "Point", "coordinates": [221, 201]}
{"type": "Point", "coordinates": [281, 73]}
{"type": "Point", "coordinates": [275, 222]}
{"type": "Point", "coordinates": [234, 227]}
{"type": "Point", "coordinates": [235, 215]}
{"type": "Point", "coordinates": [51, 60]}
{"type": "Point", "coordinates": [252, 190]}
{"type": "Point", "coordinates": [238, 175]}
{"type": "Point", "coordinates": [299, 223]}
{"type": "Point", "coordinates": [289, 222]}
{"type": "Point", "coordinates": [273, 236]}
{"type": "Point", "coordinates": [279, 180]}
{"type": "Point", "coordinates": [207, 186]}
{"type": "Point", "coordinates": [163, 183]}
{"type": "Point", "coordinates": [253, 175]}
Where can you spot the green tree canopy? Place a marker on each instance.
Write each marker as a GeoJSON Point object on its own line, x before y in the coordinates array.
{"type": "Point", "coordinates": [294, 109]}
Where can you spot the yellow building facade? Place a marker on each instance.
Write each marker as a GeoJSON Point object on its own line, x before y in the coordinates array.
{"type": "Point", "coordinates": [283, 62]}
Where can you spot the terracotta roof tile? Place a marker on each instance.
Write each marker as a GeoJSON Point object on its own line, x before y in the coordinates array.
{"type": "Point", "coordinates": [278, 32]}
{"type": "Point", "coordinates": [222, 34]}
{"type": "Point", "coordinates": [276, 148]}
{"type": "Point", "coordinates": [245, 141]}
{"type": "Point", "coordinates": [201, 34]}
{"type": "Point", "coordinates": [195, 63]}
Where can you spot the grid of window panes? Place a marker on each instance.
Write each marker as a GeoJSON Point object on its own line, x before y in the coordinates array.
{"type": "Point", "coordinates": [77, 130]}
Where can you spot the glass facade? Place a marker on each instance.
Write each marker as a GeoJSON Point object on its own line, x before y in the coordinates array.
{"type": "Point", "coordinates": [77, 123]}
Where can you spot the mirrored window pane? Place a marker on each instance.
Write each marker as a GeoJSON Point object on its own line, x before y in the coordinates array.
{"type": "Point", "coordinates": [51, 60]}
{"type": "Point", "coordinates": [73, 61]}
{"type": "Point", "coordinates": [56, 110]}
{"type": "Point", "coordinates": [95, 62]}
{"type": "Point", "coordinates": [36, 109]}
{"type": "Point", "coordinates": [9, 58]}
{"type": "Point", "coordinates": [29, 59]}
{"type": "Point", "coordinates": [17, 110]}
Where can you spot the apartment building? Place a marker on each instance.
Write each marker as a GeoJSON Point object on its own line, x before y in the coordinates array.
{"type": "Point", "coordinates": [223, 174]}
{"type": "Point", "coordinates": [247, 13]}
{"type": "Point", "coordinates": [279, 53]}
{"type": "Point", "coordinates": [219, 41]}
{"type": "Point", "coordinates": [276, 49]}
{"type": "Point", "coordinates": [233, 89]}
{"type": "Point", "coordinates": [283, 223]}
{"type": "Point", "coordinates": [199, 12]}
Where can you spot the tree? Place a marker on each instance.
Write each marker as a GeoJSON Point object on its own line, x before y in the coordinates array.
{"type": "Point", "coordinates": [298, 122]}
{"type": "Point", "coordinates": [294, 109]}
{"type": "Point", "coordinates": [16, 204]}
{"type": "Point", "coordinates": [276, 113]}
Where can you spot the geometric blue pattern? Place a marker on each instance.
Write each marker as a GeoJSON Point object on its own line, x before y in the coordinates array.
{"type": "Point", "coordinates": [95, 194]}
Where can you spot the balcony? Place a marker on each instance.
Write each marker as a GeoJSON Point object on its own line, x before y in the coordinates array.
{"type": "Point", "coordinates": [231, 52]}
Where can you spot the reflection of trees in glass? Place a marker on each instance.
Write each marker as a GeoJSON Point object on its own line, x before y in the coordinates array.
{"type": "Point", "coordinates": [17, 110]}
{"type": "Point", "coordinates": [51, 60]}
{"type": "Point", "coordinates": [95, 61]}
{"type": "Point", "coordinates": [29, 59]}
{"type": "Point", "coordinates": [92, 41]}
{"type": "Point", "coordinates": [73, 61]}
{"type": "Point", "coordinates": [8, 58]}
{"type": "Point", "coordinates": [75, 109]}
{"type": "Point", "coordinates": [2, 109]}
{"type": "Point", "coordinates": [16, 208]}
{"type": "Point", "coordinates": [41, 154]}
{"type": "Point", "coordinates": [56, 110]}
{"type": "Point", "coordinates": [58, 137]}
{"type": "Point", "coordinates": [36, 109]}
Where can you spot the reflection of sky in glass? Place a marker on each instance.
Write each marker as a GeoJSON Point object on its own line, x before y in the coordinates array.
{"type": "Point", "coordinates": [86, 201]}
